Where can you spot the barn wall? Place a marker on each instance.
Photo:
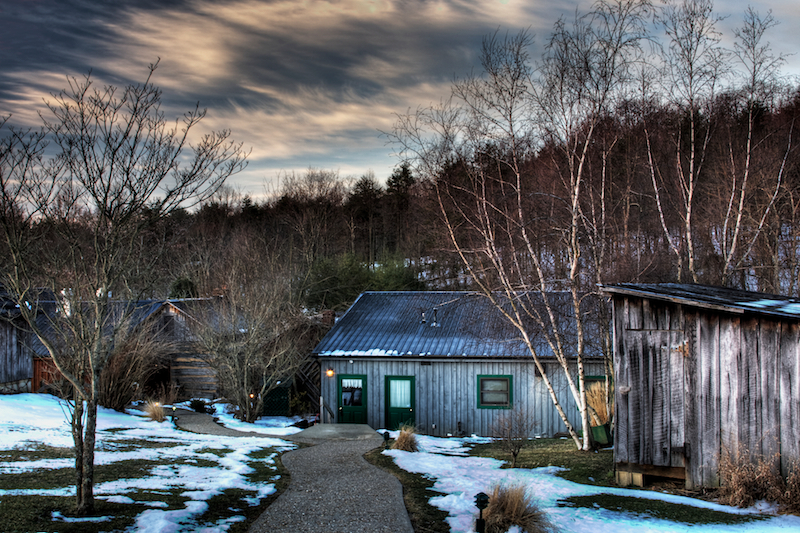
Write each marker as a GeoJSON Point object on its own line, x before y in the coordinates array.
{"type": "Point", "coordinates": [446, 393]}
{"type": "Point", "coordinates": [720, 382]}
{"type": "Point", "coordinates": [16, 366]}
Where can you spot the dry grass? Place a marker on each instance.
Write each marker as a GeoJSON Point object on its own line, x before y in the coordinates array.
{"type": "Point", "coordinates": [509, 505]}
{"type": "Point", "coordinates": [155, 410]}
{"type": "Point", "coordinates": [745, 480]}
{"type": "Point", "coordinates": [406, 440]}
{"type": "Point", "coordinates": [598, 408]}
{"type": "Point", "coordinates": [791, 497]}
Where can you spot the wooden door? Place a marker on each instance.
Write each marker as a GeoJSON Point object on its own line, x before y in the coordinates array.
{"type": "Point", "coordinates": [656, 401]}
{"type": "Point", "coordinates": [352, 391]}
{"type": "Point", "coordinates": [399, 401]}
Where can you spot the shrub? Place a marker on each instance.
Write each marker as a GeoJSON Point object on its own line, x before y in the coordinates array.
{"type": "Point", "coordinates": [154, 410]}
{"type": "Point", "coordinates": [509, 505]}
{"type": "Point", "coordinates": [744, 479]}
{"type": "Point", "coordinates": [406, 440]}
{"type": "Point", "coordinates": [791, 497]}
{"type": "Point", "coordinates": [512, 430]}
{"type": "Point", "coordinates": [167, 394]}
{"type": "Point", "coordinates": [199, 406]}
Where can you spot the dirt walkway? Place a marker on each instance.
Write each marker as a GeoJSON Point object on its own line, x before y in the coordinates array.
{"type": "Point", "coordinates": [332, 489]}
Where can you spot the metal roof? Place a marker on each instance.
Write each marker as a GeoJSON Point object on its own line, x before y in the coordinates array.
{"type": "Point", "coordinates": [426, 324]}
{"type": "Point", "coordinates": [719, 298]}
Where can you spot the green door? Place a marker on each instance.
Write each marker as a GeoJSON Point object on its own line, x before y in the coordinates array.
{"type": "Point", "coordinates": [399, 401]}
{"type": "Point", "coordinates": [352, 399]}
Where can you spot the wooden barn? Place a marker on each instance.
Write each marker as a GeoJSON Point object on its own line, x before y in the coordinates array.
{"type": "Point", "coordinates": [16, 363]}
{"type": "Point", "coordinates": [447, 362]}
{"type": "Point", "coordinates": [699, 372]}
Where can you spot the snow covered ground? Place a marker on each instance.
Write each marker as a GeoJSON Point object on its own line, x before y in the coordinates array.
{"type": "Point", "coordinates": [27, 420]}
{"type": "Point", "coordinates": [459, 478]}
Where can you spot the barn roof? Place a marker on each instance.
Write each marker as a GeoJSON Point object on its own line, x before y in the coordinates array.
{"type": "Point", "coordinates": [710, 297]}
{"type": "Point", "coordinates": [427, 324]}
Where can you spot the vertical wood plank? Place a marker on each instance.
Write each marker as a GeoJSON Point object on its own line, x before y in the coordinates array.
{"type": "Point", "coordinates": [708, 397]}
{"type": "Point", "coordinates": [789, 395]}
{"type": "Point", "coordinates": [769, 346]}
{"type": "Point", "coordinates": [730, 359]}
{"type": "Point", "coordinates": [691, 433]}
{"type": "Point", "coordinates": [749, 389]}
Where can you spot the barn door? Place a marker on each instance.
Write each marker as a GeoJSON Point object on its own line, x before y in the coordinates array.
{"type": "Point", "coordinates": [399, 401]}
{"type": "Point", "coordinates": [352, 392]}
{"type": "Point", "coordinates": [656, 399]}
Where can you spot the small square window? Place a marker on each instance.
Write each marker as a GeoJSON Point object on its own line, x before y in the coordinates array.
{"type": "Point", "coordinates": [494, 392]}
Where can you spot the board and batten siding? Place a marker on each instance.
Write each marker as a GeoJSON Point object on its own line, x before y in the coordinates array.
{"type": "Point", "coordinates": [695, 383]}
{"type": "Point", "coordinates": [446, 392]}
{"type": "Point", "coordinates": [16, 364]}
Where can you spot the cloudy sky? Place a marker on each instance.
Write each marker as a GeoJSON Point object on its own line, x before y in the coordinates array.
{"type": "Point", "coordinates": [305, 83]}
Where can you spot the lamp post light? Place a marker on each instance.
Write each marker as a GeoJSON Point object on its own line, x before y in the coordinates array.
{"type": "Point", "coordinates": [481, 502]}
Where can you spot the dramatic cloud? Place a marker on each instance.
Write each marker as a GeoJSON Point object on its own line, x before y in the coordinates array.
{"type": "Point", "coordinates": [304, 82]}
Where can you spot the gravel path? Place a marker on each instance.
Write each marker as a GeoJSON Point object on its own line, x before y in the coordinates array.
{"type": "Point", "coordinates": [332, 489]}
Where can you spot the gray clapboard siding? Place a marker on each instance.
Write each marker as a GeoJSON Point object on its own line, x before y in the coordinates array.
{"type": "Point", "coordinates": [446, 392]}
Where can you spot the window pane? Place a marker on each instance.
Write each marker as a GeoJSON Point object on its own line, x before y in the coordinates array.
{"type": "Point", "coordinates": [498, 398]}
{"type": "Point", "coordinates": [494, 384]}
{"type": "Point", "coordinates": [351, 392]}
{"type": "Point", "coordinates": [400, 393]}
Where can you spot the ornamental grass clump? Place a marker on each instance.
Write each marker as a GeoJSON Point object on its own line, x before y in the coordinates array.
{"type": "Point", "coordinates": [406, 440]}
{"type": "Point", "coordinates": [510, 505]}
{"type": "Point", "coordinates": [598, 406]}
{"type": "Point", "coordinates": [154, 410]}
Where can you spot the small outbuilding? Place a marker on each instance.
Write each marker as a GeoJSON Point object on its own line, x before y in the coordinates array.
{"type": "Point", "coordinates": [701, 372]}
{"type": "Point", "coordinates": [447, 362]}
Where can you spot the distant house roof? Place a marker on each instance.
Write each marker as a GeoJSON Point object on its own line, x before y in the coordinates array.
{"type": "Point", "coordinates": [426, 324]}
{"type": "Point", "coordinates": [709, 297]}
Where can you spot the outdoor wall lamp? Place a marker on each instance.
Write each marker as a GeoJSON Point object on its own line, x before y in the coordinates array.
{"type": "Point", "coordinates": [329, 372]}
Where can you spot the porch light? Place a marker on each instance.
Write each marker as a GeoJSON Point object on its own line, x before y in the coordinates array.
{"type": "Point", "coordinates": [329, 372]}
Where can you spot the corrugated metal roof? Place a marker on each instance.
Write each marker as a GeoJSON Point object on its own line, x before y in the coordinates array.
{"type": "Point", "coordinates": [710, 297]}
{"type": "Point", "coordinates": [435, 324]}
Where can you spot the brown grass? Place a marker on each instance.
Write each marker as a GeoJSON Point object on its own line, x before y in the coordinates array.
{"type": "Point", "coordinates": [791, 497]}
{"type": "Point", "coordinates": [509, 505]}
{"type": "Point", "coordinates": [406, 440]}
{"type": "Point", "coordinates": [596, 399]}
{"type": "Point", "coordinates": [745, 480]}
{"type": "Point", "coordinates": [155, 410]}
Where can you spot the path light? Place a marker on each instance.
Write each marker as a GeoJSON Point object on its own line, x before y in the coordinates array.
{"type": "Point", "coordinates": [481, 502]}
{"type": "Point", "coordinates": [385, 440]}
{"type": "Point", "coordinates": [329, 372]}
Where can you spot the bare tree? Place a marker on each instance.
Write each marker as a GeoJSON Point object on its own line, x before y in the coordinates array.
{"type": "Point", "coordinates": [478, 148]}
{"type": "Point", "coordinates": [755, 173]}
{"type": "Point", "coordinates": [255, 336]}
{"type": "Point", "coordinates": [692, 68]}
{"type": "Point", "coordinates": [84, 224]}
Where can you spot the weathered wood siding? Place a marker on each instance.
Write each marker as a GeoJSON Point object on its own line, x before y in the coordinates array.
{"type": "Point", "coordinates": [705, 383]}
{"type": "Point", "coordinates": [16, 364]}
{"type": "Point", "coordinates": [447, 392]}
{"type": "Point", "coordinates": [193, 375]}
